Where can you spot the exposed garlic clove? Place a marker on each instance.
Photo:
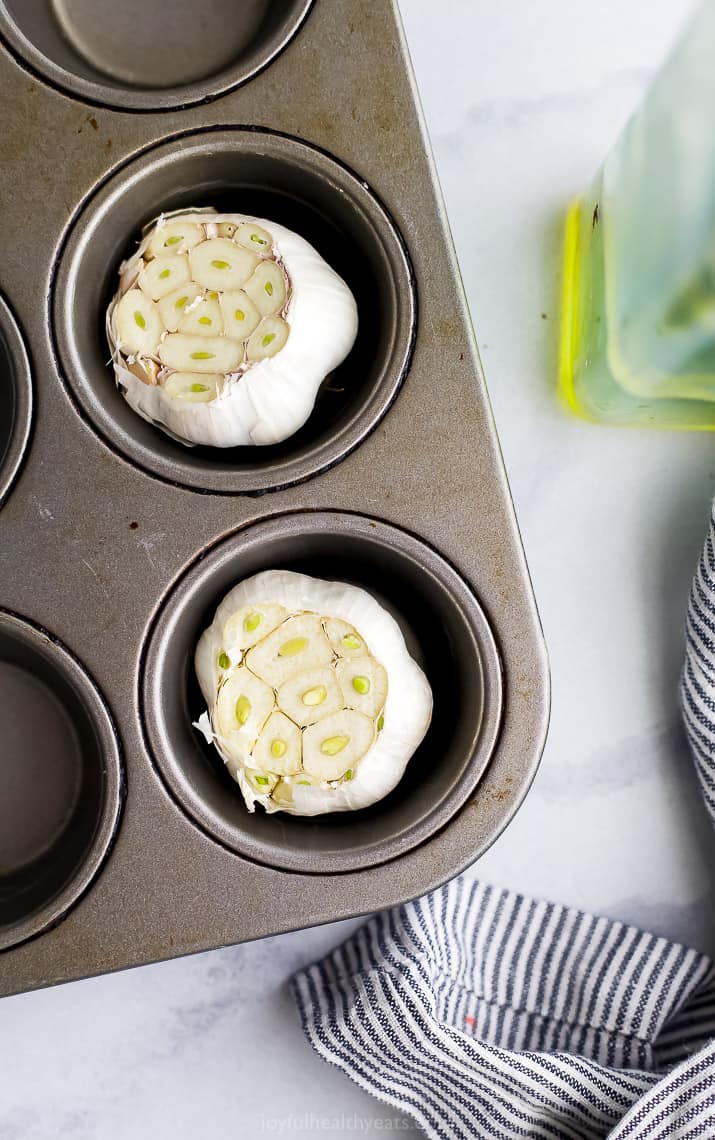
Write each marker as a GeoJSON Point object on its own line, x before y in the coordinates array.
{"type": "Point", "coordinates": [297, 644]}
{"type": "Point", "coordinates": [193, 387]}
{"type": "Point", "coordinates": [262, 783]}
{"type": "Point", "coordinates": [250, 624]}
{"type": "Point", "coordinates": [164, 274]}
{"type": "Point", "coordinates": [363, 682]}
{"type": "Point", "coordinates": [226, 229]}
{"type": "Point", "coordinates": [200, 353]}
{"type": "Point", "coordinates": [173, 307]}
{"type": "Point", "coordinates": [253, 237]}
{"type": "Point", "coordinates": [268, 339]}
{"type": "Point", "coordinates": [283, 793]}
{"type": "Point", "coordinates": [175, 237]}
{"type": "Point", "coordinates": [344, 639]}
{"type": "Point", "coordinates": [221, 264]}
{"type": "Point", "coordinates": [137, 324]}
{"type": "Point", "coordinates": [336, 744]}
{"type": "Point", "coordinates": [279, 747]}
{"type": "Point", "coordinates": [240, 315]}
{"type": "Point", "coordinates": [310, 695]}
{"type": "Point", "coordinates": [267, 288]}
{"type": "Point", "coordinates": [145, 369]}
{"type": "Point", "coordinates": [202, 319]}
{"type": "Point", "coordinates": [243, 705]}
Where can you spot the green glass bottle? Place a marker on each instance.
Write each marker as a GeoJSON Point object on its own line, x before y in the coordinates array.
{"type": "Point", "coordinates": [638, 316]}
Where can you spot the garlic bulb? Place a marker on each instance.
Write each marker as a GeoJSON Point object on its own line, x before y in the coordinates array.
{"type": "Point", "coordinates": [224, 326]}
{"type": "Point", "coordinates": [314, 702]}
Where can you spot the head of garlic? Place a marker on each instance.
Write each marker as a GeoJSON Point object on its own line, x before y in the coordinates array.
{"type": "Point", "coordinates": [314, 703]}
{"type": "Point", "coordinates": [224, 326]}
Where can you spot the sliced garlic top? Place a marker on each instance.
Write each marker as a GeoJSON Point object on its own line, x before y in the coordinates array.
{"type": "Point", "coordinates": [279, 319]}
{"type": "Point", "coordinates": [336, 706]}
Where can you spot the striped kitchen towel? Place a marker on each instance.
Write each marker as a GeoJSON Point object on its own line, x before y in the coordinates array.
{"type": "Point", "coordinates": [486, 1014]}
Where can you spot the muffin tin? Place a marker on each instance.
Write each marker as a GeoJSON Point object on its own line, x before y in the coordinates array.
{"type": "Point", "coordinates": [122, 840]}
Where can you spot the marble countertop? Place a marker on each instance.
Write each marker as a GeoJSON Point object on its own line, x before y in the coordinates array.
{"type": "Point", "coordinates": [522, 101]}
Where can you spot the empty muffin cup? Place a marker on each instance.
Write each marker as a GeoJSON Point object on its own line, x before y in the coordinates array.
{"type": "Point", "coordinates": [16, 397]}
{"type": "Point", "coordinates": [263, 175]}
{"type": "Point", "coordinates": [446, 632]}
{"type": "Point", "coordinates": [142, 56]}
{"type": "Point", "coordinates": [60, 780]}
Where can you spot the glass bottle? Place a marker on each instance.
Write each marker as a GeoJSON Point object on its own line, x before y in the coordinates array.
{"type": "Point", "coordinates": [638, 316]}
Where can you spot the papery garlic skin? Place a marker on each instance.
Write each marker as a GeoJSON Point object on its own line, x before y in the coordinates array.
{"type": "Point", "coordinates": [292, 304]}
{"type": "Point", "coordinates": [356, 739]}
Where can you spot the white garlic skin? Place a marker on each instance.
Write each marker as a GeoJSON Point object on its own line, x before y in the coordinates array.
{"type": "Point", "coordinates": [273, 398]}
{"type": "Point", "coordinates": [408, 707]}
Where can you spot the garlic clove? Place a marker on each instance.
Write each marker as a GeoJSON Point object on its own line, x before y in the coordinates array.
{"type": "Point", "coordinates": [310, 695]}
{"type": "Point", "coordinates": [137, 324]}
{"type": "Point", "coordinates": [363, 682]}
{"type": "Point", "coordinates": [240, 315]}
{"type": "Point", "coordinates": [250, 624]}
{"type": "Point", "coordinates": [193, 387]}
{"type": "Point", "coordinates": [200, 353]}
{"type": "Point", "coordinates": [336, 744]}
{"type": "Point", "coordinates": [174, 237]}
{"type": "Point", "coordinates": [173, 307]}
{"type": "Point", "coordinates": [145, 369]}
{"type": "Point", "coordinates": [243, 705]}
{"type": "Point", "coordinates": [163, 275]}
{"type": "Point", "coordinates": [268, 339]}
{"type": "Point", "coordinates": [297, 644]}
{"type": "Point", "coordinates": [346, 641]}
{"type": "Point", "coordinates": [262, 783]}
{"type": "Point", "coordinates": [267, 288]}
{"type": "Point", "coordinates": [279, 747]}
{"type": "Point", "coordinates": [221, 264]}
{"type": "Point", "coordinates": [254, 237]}
{"type": "Point", "coordinates": [226, 229]}
{"type": "Point", "coordinates": [203, 318]}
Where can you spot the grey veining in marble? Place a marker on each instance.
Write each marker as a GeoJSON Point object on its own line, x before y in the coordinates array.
{"type": "Point", "coordinates": [522, 101]}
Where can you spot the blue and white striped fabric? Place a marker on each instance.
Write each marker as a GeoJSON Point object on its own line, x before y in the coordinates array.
{"type": "Point", "coordinates": [486, 1014]}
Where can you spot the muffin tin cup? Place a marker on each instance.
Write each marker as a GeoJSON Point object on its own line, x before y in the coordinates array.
{"type": "Point", "coordinates": [138, 60]}
{"type": "Point", "coordinates": [269, 175]}
{"type": "Point", "coordinates": [61, 783]}
{"type": "Point", "coordinates": [16, 399]}
{"type": "Point", "coordinates": [446, 632]}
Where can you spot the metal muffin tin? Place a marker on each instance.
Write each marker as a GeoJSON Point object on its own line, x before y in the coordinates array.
{"type": "Point", "coordinates": [16, 397]}
{"type": "Point", "coordinates": [122, 841]}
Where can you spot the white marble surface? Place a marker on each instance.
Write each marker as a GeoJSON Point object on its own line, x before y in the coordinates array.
{"type": "Point", "coordinates": [522, 100]}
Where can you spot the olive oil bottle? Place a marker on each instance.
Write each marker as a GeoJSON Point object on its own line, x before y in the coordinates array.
{"type": "Point", "coordinates": [638, 314]}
